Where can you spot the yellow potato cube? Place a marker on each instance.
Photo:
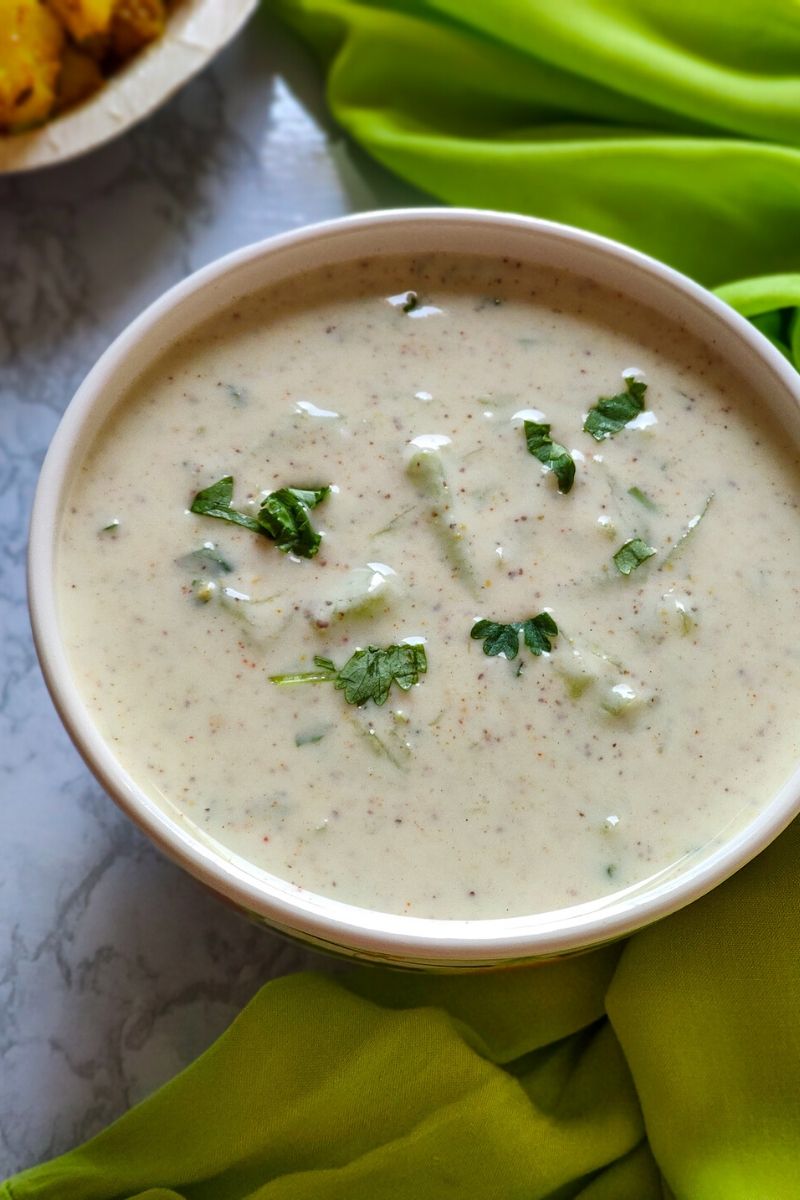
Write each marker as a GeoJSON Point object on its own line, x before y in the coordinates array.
{"type": "Point", "coordinates": [84, 18]}
{"type": "Point", "coordinates": [31, 41]}
{"type": "Point", "coordinates": [80, 77]}
{"type": "Point", "coordinates": [135, 23]}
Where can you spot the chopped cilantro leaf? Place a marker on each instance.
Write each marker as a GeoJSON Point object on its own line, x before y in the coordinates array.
{"type": "Point", "coordinates": [498, 638]}
{"type": "Point", "coordinates": [537, 632]}
{"type": "Point", "coordinates": [311, 497]}
{"type": "Point", "coordinates": [552, 455]}
{"type": "Point", "coordinates": [283, 515]}
{"type": "Point", "coordinates": [215, 501]}
{"type": "Point", "coordinates": [368, 674]}
{"type": "Point", "coordinates": [325, 664]}
{"type": "Point", "coordinates": [632, 555]}
{"type": "Point", "coordinates": [612, 413]}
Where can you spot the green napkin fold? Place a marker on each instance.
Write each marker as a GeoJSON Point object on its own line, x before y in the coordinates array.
{"type": "Point", "coordinates": [772, 302]}
{"type": "Point", "coordinates": [512, 1085]}
{"type": "Point", "coordinates": [670, 1067]}
{"type": "Point", "coordinates": [674, 127]}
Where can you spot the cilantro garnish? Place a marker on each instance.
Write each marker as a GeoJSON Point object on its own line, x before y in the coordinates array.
{"type": "Point", "coordinates": [368, 674]}
{"type": "Point", "coordinates": [552, 455]}
{"type": "Point", "coordinates": [283, 515]}
{"type": "Point", "coordinates": [612, 413]}
{"type": "Point", "coordinates": [215, 501]}
{"type": "Point", "coordinates": [503, 639]}
{"type": "Point", "coordinates": [632, 555]}
{"type": "Point", "coordinates": [411, 302]}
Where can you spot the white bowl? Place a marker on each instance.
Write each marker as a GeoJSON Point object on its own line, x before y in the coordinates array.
{"type": "Point", "coordinates": [313, 918]}
{"type": "Point", "coordinates": [195, 32]}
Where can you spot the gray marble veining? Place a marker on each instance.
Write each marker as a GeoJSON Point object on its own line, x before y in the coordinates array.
{"type": "Point", "coordinates": [116, 969]}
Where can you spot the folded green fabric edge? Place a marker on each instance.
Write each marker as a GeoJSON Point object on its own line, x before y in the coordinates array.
{"type": "Point", "coordinates": [509, 1085]}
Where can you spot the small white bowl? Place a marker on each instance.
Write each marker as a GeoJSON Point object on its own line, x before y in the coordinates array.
{"type": "Point", "coordinates": [321, 921]}
{"type": "Point", "coordinates": [196, 30]}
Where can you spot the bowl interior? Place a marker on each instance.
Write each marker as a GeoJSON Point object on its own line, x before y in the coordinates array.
{"type": "Point", "coordinates": [331, 923]}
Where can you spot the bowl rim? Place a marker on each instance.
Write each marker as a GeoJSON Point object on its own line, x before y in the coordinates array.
{"type": "Point", "coordinates": [331, 923]}
{"type": "Point", "coordinates": [195, 33]}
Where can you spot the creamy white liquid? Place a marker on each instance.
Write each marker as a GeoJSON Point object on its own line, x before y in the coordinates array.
{"type": "Point", "coordinates": [666, 712]}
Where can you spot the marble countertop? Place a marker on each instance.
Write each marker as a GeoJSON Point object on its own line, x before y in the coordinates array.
{"type": "Point", "coordinates": [116, 969]}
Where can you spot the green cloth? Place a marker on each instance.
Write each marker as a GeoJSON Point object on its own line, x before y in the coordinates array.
{"type": "Point", "coordinates": [772, 302]}
{"type": "Point", "coordinates": [673, 127]}
{"type": "Point", "coordinates": [512, 1085]}
{"type": "Point", "coordinates": [669, 1067]}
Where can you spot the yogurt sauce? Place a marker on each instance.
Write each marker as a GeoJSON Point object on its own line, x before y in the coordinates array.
{"type": "Point", "coordinates": [665, 712]}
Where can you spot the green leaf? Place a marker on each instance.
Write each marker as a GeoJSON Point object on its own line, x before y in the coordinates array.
{"type": "Point", "coordinates": [325, 664]}
{"type": "Point", "coordinates": [283, 516]}
{"type": "Point", "coordinates": [368, 674]}
{"type": "Point", "coordinates": [497, 638]}
{"type": "Point", "coordinates": [215, 501]}
{"type": "Point", "coordinates": [310, 496]}
{"type": "Point", "coordinates": [537, 632]}
{"type": "Point", "coordinates": [632, 555]}
{"type": "Point", "coordinates": [552, 455]}
{"type": "Point", "coordinates": [612, 413]}
{"type": "Point", "coordinates": [503, 639]}
{"type": "Point", "coordinates": [411, 302]}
